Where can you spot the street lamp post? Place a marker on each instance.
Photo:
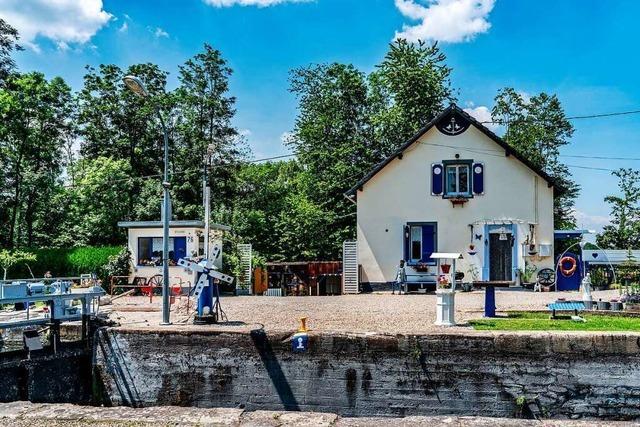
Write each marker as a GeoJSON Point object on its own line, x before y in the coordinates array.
{"type": "Point", "coordinates": [136, 85]}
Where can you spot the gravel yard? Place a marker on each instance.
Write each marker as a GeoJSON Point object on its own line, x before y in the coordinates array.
{"type": "Point", "coordinates": [367, 313]}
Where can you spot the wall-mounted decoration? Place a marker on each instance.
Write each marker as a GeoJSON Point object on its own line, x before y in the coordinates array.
{"type": "Point", "coordinates": [453, 124]}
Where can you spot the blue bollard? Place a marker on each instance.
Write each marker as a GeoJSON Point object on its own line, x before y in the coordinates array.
{"type": "Point", "coordinates": [490, 301]}
{"type": "Point", "coordinates": [206, 299]}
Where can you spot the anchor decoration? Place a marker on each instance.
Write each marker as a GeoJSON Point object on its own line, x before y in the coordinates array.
{"type": "Point", "coordinates": [453, 124]}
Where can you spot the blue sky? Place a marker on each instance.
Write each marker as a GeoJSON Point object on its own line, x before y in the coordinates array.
{"type": "Point", "coordinates": [583, 51]}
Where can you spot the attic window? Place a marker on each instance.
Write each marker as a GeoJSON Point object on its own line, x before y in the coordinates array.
{"type": "Point", "coordinates": [458, 179]}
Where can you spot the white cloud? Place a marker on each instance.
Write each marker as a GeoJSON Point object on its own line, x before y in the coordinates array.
{"type": "Point", "coordinates": [244, 133]}
{"type": "Point", "coordinates": [259, 3]}
{"type": "Point", "coordinates": [483, 115]}
{"type": "Point", "coordinates": [451, 21]}
{"type": "Point", "coordinates": [159, 32]}
{"type": "Point", "coordinates": [591, 222]}
{"type": "Point", "coordinates": [124, 27]}
{"type": "Point", "coordinates": [64, 22]}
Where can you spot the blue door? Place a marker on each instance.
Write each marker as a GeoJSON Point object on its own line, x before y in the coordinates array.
{"type": "Point", "coordinates": [428, 242]}
{"type": "Point", "coordinates": [420, 242]}
{"type": "Point", "coordinates": [179, 248]}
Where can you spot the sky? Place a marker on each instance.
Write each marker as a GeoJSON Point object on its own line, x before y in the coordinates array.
{"type": "Point", "coordinates": [584, 51]}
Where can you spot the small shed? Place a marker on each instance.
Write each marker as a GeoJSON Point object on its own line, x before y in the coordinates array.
{"type": "Point", "coordinates": [305, 278]}
{"type": "Point", "coordinates": [186, 239]}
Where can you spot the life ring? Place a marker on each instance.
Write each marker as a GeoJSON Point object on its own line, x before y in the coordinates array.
{"type": "Point", "coordinates": [568, 272]}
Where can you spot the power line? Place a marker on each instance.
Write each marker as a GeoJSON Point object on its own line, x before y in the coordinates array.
{"type": "Point", "coordinates": [590, 168]}
{"type": "Point", "coordinates": [581, 117]}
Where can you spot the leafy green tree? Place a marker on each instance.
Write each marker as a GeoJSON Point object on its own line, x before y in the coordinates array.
{"type": "Point", "coordinates": [537, 128]}
{"type": "Point", "coordinates": [94, 202]}
{"type": "Point", "coordinates": [408, 89]}
{"type": "Point", "coordinates": [204, 131]}
{"type": "Point", "coordinates": [35, 123]}
{"type": "Point", "coordinates": [8, 45]}
{"type": "Point", "coordinates": [332, 138]}
{"type": "Point", "coordinates": [9, 259]}
{"type": "Point", "coordinates": [624, 230]}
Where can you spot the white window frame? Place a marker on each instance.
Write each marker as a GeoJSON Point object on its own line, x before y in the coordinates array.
{"type": "Point", "coordinates": [457, 192]}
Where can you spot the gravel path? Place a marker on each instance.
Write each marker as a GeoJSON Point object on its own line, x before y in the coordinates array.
{"type": "Point", "coordinates": [368, 313]}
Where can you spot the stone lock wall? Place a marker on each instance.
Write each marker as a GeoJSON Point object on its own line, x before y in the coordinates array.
{"type": "Point", "coordinates": [490, 374]}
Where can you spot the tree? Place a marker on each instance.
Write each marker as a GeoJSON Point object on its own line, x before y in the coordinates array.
{"type": "Point", "coordinates": [624, 230]}
{"type": "Point", "coordinates": [408, 89]}
{"type": "Point", "coordinates": [537, 128]}
{"type": "Point", "coordinates": [8, 44]}
{"type": "Point", "coordinates": [204, 130]}
{"type": "Point", "coordinates": [332, 139]}
{"type": "Point", "coordinates": [36, 121]}
{"type": "Point", "coordinates": [94, 203]}
{"type": "Point", "coordinates": [10, 258]}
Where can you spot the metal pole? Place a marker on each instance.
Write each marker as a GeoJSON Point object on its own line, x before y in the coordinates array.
{"type": "Point", "coordinates": [166, 206]}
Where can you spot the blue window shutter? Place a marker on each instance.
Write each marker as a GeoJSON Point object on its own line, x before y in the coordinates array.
{"type": "Point", "coordinates": [437, 177]}
{"type": "Point", "coordinates": [478, 178]}
{"type": "Point", "coordinates": [428, 243]}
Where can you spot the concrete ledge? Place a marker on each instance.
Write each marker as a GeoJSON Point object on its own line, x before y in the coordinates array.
{"type": "Point", "coordinates": [516, 342]}
{"type": "Point", "coordinates": [26, 414]}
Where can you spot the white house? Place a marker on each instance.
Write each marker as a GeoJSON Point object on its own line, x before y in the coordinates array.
{"type": "Point", "coordinates": [454, 187]}
{"type": "Point", "coordinates": [186, 239]}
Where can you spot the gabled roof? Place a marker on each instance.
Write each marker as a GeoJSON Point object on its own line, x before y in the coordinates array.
{"type": "Point", "coordinates": [509, 151]}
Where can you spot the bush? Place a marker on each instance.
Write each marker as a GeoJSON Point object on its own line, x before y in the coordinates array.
{"type": "Point", "coordinates": [63, 262]}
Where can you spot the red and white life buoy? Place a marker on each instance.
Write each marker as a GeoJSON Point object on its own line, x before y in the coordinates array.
{"type": "Point", "coordinates": [573, 266]}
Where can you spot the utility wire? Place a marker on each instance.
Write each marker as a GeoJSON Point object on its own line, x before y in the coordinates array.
{"type": "Point", "coordinates": [582, 117]}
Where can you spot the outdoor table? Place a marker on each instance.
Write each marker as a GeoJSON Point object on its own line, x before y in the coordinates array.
{"type": "Point", "coordinates": [490, 295]}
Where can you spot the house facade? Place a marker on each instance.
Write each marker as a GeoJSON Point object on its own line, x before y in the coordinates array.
{"type": "Point", "coordinates": [186, 239]}
{"type": "Point", "coordinates": [454, 187]}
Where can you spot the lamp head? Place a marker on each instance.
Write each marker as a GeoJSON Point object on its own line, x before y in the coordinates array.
{"type": "Point", "coordinates": [136, 86]}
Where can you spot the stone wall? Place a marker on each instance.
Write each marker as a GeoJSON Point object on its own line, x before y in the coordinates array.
{"type": "Point", "coordinates": [64, 377]}
{"type": "Point", "coordinates": [491, 374]}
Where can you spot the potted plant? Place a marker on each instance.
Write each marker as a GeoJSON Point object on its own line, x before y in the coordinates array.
{"type": "Point", "coordinates": [616, 305]}
{"type": "Point", "coordinates": [443, 282]}
{"type": "Point", "coordinates": [603, 305]}
{"type": "Point", "coordinates": [527, 275]}
{"type": "Point", "coordinates": [421, 267]}
{"type": "Point", "coordinates": [445, 268]}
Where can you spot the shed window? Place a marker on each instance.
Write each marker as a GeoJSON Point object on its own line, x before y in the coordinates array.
{"type": "Point", "coordinates": [458, 180]}
{"type": "Point", "coordinates": [150, 250]}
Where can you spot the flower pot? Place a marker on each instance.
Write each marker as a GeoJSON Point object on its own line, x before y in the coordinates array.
{"type": "Point", "coordinates": [445, 268]}
{"type": "Point", "coordinates": [604, 305]}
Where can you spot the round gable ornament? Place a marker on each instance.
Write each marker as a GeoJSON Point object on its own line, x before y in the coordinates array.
{"type": "Point", "coordinates": [453, 124]}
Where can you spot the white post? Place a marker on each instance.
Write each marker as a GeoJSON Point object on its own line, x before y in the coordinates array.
{"type": "Point", "coordinates": [207, 223]}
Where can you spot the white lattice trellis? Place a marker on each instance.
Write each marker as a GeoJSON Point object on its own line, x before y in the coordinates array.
{"type": "Point", "coordinates": [350, 279]}
{"type": "Point", "coordinates": [244, 281]}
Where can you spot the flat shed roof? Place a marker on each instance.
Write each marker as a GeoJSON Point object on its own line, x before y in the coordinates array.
{"type": "Point", "coordinates": [172, 224]}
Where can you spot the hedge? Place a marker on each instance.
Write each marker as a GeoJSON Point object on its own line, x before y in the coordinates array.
{"type": "Point", "coordinates": [65, 262]}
